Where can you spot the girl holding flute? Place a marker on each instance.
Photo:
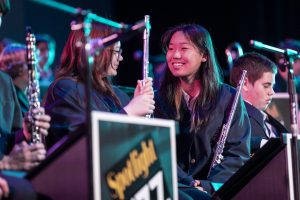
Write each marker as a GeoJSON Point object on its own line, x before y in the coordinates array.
{"type": "Point", "coordinates": [192, 93]}
{"type": "Point", "coordinates": [65, 99]}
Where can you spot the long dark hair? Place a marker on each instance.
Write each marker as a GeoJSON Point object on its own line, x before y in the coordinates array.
{"type": "Point", "coordinates": [208, 74]}
{"type": "Point", "coordinates": [73, 63]}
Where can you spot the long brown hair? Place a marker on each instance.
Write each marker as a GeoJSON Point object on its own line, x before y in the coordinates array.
{"type": "Point", "coordinates": [73, 63]}
{"type": "Point", "coordinates": [208, 74]}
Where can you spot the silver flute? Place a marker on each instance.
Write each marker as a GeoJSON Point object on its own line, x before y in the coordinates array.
{"type": "Point", "coordinates": [146, 51]}
{"type": "Point", "coordinates": [218, 157]}
{"type": "Point", "coordinates": [33, 91]}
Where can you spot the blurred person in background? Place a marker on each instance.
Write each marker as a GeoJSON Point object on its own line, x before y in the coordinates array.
{"type": "Point", "coordinates": [282, 75]}
{"type": "Point", "coordinates": [45, 52]}
{"type": "Point", "coordinates": [13, 62]}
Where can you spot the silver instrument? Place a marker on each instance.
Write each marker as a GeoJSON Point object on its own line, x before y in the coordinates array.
{"type": "Point", "coordinates": [233, 51]}
{"type": "Point", "coordinates": [218, 157]}
{"type": "Point", "coordinates": [146, 51]}
{"type": "Point", "coordinates": [33, 92]}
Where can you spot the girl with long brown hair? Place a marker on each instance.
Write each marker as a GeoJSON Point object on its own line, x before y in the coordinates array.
{"type": "Point", "coordinates": [65, 100]}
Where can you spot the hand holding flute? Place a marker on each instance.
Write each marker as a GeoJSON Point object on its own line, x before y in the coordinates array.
{"type": "Point", "coordinates": [143, 100]}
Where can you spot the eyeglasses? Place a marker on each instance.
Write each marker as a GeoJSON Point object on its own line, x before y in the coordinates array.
{"type": "Point", "coordinates": [119, 52]}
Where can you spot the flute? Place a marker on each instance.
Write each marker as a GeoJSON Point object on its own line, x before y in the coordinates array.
{"type": "Point", "coordinates": [146, 52]}
{"type": "Point", "coordinates": [218, 157]}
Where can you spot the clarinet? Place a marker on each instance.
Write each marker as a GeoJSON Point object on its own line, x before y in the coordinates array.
{"type": "Point", "coordinates": [33, 91]}
{"type": "Point", "coordinates": [218, 157]}
{"type": "Point", "coordinates": [146, 52]}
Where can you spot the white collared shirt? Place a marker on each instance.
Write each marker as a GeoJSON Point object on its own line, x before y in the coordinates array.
{"type": "Point", "coordinates": [189, 100]}
{"type": "Point", "coordinates": [269, 130]}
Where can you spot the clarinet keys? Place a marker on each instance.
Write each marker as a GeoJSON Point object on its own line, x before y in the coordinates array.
{"type": "Point", "coordinates": [33, 91]}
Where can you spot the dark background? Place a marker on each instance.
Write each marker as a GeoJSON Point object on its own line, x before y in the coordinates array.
{"type": "Point", "coordinates": [227, 21]}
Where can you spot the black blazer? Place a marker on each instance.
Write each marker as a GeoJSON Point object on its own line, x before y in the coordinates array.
{"type": "Point", "coordinates": [23, 100]}
{"type": "Point", "coordinates": [10, 115]}
{"type": "Point", "coordinates": [195, 150]}
{"type": "Point", "coordinates": [65, 103]}
{"type": "Point", "coordinates": [257, 126]}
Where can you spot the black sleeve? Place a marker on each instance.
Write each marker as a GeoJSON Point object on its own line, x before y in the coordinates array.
{"type": "Point", "coordinates": [11, 116]}
{"type": "Point", "coordinates": [65, 106]}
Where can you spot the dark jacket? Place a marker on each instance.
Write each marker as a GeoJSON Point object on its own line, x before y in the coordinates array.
{"type": "Point", "coordinates": [23, 100]}
{"type": "Point", "coordinates": [65, 102]}
{"type": "Point", "coordinates": [257, 126]}
{"type": "Point", "coordinates": [195, 150]}
{"type": "Point", "coordinates": [10, 115]}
